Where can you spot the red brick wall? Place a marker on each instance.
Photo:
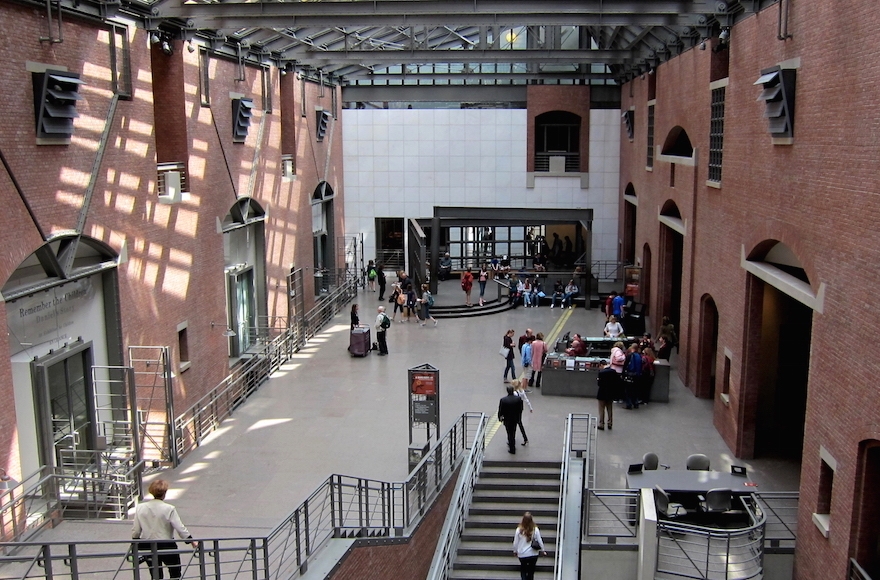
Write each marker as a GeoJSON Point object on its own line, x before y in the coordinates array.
{"type": "Point", "coordinates": [409, 561]}
{"type": "Point", "coordinates": [817, 196]}
{"type": "Point", "coordinates": [573, 99]}
{"type": "Point", "coordinates": [174, 271]}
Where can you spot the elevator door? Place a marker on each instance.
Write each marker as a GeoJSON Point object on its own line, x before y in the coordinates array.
{"type": "Point", "coordinates": [65, 407]}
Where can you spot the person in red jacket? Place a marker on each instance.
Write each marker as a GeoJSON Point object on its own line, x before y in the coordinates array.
{"type": "Point", "coordinates": [467, 283]}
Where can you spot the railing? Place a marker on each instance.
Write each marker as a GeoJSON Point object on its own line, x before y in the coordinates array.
{"type": "Point", "coordinates": [391, 259]}
{"type": "Point", "coordinates": [856, 572]}
{"type": "Point", "coordinates": [273, 348]}
{"type": "Point", "coordinates": [341, 507]}
{"type": "Point", "coordinates": [691, 551]}
{"type": "Point", "coordinates": [105, 488]}
{"type": "Point", "coordinates": [612, 514]}
{"type": "Point", "coordinates": [781, 511]}
{"type": "Point", "coordinates": [459, 506]}
{"type": "Point", "coordinates": [579, 441]}
{"type": "Point", "coordinates": [607, 269]}
{"type": "Point", "coordinates": [572, 161]}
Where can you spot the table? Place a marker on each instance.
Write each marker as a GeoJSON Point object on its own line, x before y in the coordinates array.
{"type": "Point", "coordinates": [687, 481]}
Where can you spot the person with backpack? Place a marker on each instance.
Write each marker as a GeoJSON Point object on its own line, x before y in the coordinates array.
{"type": "Point", "coordinates": [427, 301]}
{"type": "Point", "coordinates": [372, 274]}
{"type": "Point", "coordinates": [397, 302]}
{"type": "Point", "coordinates": [632, 377]}
{"type": "Point", "coordinates": [383, 323]}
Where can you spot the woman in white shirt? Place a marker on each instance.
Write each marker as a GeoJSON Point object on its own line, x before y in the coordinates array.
{"type": "Point", "coordinates": [156, 521]}
{"type": "Point", "coordinates": [613, 329]}
{"type": "Point", "coordinates": [526, 534]}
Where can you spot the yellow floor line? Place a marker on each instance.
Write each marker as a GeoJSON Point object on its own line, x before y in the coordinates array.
{"type": "Point", "coordinates": [493, 426]}
{"type": "Point", "coordinates": [550, 338]}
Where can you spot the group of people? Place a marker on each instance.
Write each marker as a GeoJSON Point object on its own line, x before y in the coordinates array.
{"type": "Point", "coordinates": [533, 352]}
{"type": "Point", "coordinates": [627, 378]}
{"type": "Point", "coordinates": [405, 300]}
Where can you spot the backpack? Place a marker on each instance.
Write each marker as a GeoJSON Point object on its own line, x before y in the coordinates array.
{"type": "Point", "coordinates": [401, 298]}
{"type": "Point", "coordinates": [430, 300]}
{"type": "Point", "coordinates": [632, 367]}
{"type": "Point", "coordinates": [386, 322]}
{"type": "Point", "coordinates": [372, 274]}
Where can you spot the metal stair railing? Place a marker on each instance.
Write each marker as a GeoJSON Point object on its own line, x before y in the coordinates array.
{"type": "Point", "coordinates": [342, 506]}
{"type": "Point", "coordinates": [459, 507]}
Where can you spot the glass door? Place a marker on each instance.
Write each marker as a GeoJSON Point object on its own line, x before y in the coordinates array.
{"type": "Point", "coordinates": [66, 407]}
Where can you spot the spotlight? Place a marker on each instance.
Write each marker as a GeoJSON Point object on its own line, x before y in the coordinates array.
{"type": "Point", "coordinates": [702, 45]}
{"type": "Point", "coordinates": [189, 47]}
{"type": "Point", "coordinates": [154, 38]}
{"type": "Point", "coordinates": [725, 35]}
{"type": "Point", "coordinates": [166, 48]}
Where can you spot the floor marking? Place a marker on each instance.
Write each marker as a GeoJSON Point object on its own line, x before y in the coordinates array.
{"type": "Point", "coordinates": [557, 328]}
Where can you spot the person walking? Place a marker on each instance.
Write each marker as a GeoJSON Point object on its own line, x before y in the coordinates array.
{"type": "Point", "coordinates": [467, 283]}
{"type": "Point", "coordinates": [383, 323]}
{"type": "Point", "coordinates": [380, 278]}
{"type": "Point", "coordinates": [411, 301]}
{"type": "Point", "coordinates": [527, 546]}
{"type": "Point", "coordinates": [508, 344]}
{"type": "Point", "coordinates": [372, 274]}
{"type": "Point", "coordinates": [427, 301]}
{"type": "Point", "coordinates": [397, 302]}
{"type": "Point", "coordinates": [525, 353]}
{"type": "Point", "coordinates": [519, 389]}
{"type": "Point", "coordinates": [156, 521]}
{"type": "Point", "coordinates": [609, 387]}
{"type": "Point", "coordinates": [510, 410]}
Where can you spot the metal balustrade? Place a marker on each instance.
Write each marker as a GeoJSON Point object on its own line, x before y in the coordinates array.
{"type": "Point", "coordinates": [691, 551]}
{"type": "Point", "coordinates": [856, 572]}
{"type": "Point", "coordinates": [612, 514]}
{"type": "Point", "coordinates": [341, 507]}
{"type": "Point", "coordinates": [579, 442]}
{"type": "Point", "coordinates": [459, 507]}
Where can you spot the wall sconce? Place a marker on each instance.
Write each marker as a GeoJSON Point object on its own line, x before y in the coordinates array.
{"type": "Point", "coordinates": [6, 482]}
{"type": "Point", "coordinates": [725, 34]}
{"type": "Point", "coordinates": [166, 48]}
{"type": "Point", "coordinates": [703, 44]}
{"type": "Point", "coordinates": [154, 38]}
{"type": "Point", "coordinates": [228, 332]}
{"type": "Point", "coordinates": [189, 47]}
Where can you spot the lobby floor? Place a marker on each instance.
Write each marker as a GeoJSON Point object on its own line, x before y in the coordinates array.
{"type": "Point", "coordinates": [326, 412]}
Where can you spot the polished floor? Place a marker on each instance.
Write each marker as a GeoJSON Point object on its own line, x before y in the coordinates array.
{"type": "Point", "coordinates": [326, 412]}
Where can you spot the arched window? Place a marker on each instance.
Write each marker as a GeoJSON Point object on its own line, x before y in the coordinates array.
{"type": "Point", "coordinates": [678, 143]}
{"type": "Point", "coordinates": [557, 142]}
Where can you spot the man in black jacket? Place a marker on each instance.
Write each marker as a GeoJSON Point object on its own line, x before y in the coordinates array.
{"type": "Point", "coordinates": [510, 410]}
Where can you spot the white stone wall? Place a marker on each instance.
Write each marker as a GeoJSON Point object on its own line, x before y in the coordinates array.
{"type": "Point", "coordinates": [400, 163]}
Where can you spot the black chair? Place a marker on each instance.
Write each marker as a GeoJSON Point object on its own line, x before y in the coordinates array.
{"type": "Point", "coordinates": [698, 462]}
{"type": "Point", "coordinates": [664, 506]}
{"type": "Point", "coordinates": [717, 500]}
{"type": "Point", "coordinates": [651, 461]}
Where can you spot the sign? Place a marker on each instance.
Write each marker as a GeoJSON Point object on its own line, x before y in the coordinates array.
{"type": "Point", "coordinates": [632, 282]}
{"type": "Point", "coordinates": [423, 389]}
{"type": "Point", "coordinates": [423, 383]}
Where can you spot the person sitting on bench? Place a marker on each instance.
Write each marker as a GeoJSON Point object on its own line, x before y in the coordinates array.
{"type": "Point", "coordinates": [445, 267]}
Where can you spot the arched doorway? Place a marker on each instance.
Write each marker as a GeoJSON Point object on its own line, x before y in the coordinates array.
{"type": "Point", "coordinates": [323, 238]}
{"type": "Point", "coordinates": [672, 232]}
{"type": "Point", "coordinates": [867, 508]}
{"type": "Point", "coordinates": [630, 216]}
{"type": "Point", "coordinates": [777, 358]}
{"type": "Point", "coordinates": [707, 348]}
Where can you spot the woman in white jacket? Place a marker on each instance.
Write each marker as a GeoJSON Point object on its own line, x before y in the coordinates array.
{"type": "Point", "coordinates": [527, 546]}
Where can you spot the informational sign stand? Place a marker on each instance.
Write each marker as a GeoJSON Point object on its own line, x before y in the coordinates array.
{"type": "Point", "coordinates": [632, 277]}
{"type": "Point", "coordinates": [423, 386]}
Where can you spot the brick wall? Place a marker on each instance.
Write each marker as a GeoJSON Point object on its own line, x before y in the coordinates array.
{"type": "Point", "coordinates": [573, 99]}
{"type": "Point", "coordinates": [817, 196]}
{"type": "Point", "coordinates": [409, 561]}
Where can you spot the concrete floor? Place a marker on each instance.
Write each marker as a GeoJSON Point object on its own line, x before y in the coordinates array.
{"type": "Point", "coordinates": [325, 412]}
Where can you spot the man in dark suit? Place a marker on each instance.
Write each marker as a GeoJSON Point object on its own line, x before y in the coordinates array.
{"type": "Point", "coordinates": [510, 410]}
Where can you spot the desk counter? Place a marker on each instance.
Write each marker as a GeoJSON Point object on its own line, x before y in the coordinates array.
{"type": "Point", "coordinates": [576, 377]}
{"type": "Point", "coordinates": [685, 481]}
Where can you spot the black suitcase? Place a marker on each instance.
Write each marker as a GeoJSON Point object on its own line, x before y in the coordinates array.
{"type": "Point", "coordinates": [360, 341]}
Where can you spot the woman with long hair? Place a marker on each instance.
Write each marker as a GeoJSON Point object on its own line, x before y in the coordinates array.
{"type": "Point", "coordinates": [527, 546]}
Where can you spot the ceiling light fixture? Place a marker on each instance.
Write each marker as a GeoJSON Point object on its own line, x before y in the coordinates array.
{"type": "Point", "coordinates": [166, 48]}
{"type": "Point", "coordinates": [702, 45]}
{"type": "Point", "coordinates": [725, 34]}
{"type": "Point", "coordinates": [154, 38]}
{"type": "Point", "coordinates": [189, 47]}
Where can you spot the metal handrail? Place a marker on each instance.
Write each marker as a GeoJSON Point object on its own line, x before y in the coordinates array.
{"type": "Point", "coordinates": [781, 511]}
{"type": "Point", "coordinates": [693, 551]}
{"type": "Point", "coordinates": [612, 513]}
{"type": "Point", "coordinates": [568, 449]}
{"type": "Point", "coordinates": [856, 572]}
{"type": "Point", "coordinates": [459, 506]}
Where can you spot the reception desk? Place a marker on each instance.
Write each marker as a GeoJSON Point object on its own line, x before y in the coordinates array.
{"type": "Point", "coordinates": [568, 376]}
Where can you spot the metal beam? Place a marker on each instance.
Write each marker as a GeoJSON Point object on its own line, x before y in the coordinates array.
{"type": "Point", "coordinates": [322, 57]}
{"type": "Point", "coordinates": [234, 15]}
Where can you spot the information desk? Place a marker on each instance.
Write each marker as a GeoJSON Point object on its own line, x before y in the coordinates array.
{"type": "Point", "coordinates": [686, 481]}
{"type": "Point", "coordinates": [598, 346]}
{"type": "Point", "coordinates": [568, 376]}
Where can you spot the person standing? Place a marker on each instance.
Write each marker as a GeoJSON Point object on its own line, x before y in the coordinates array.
{"type": "Point", "coordinates": [510, 410]}
{"type": "Point", "coordinates": [157, 521]}
{"type": "Point", "coordinates": [411, 302]}
{"type": "Point", "coordinates": [427, 300]}
{"type": "Point", "coordinates": [613, 329]}
{"type": "Point", "coordinates": [397, 301]}
{"type": "Point", "coordinates": [632, 377]}
{"type": "Point", "coordinates": [380, 277]}
{"type": "Point", "coordinates": [609, 386]}
{"type": "Point", "coordinates": [519, 389]}
{"type": "Point", "coordinates": [355, 319]}
{"type": "Point", "coordinates": [527, 546]}
{"type": "Point", "coordinates": [617, 303]}
{"type": "Point", "coordinates": [483, 278]}
{"type": "Point", "coordinates": [467, 283]}
{"type": "Point", "coordinates": [525, 352]}
{"type": "Point", "coordinates": [372, 274]}
{"type": "Point", "coordinates": [539, 353]}
{"type": "Point", "coordinates": [508, 344]}
{"type": "Point", "coordinates": [381, 326]}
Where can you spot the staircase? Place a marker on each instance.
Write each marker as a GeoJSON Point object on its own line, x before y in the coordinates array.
{"type": "Point", "coordinates": [505, 490]}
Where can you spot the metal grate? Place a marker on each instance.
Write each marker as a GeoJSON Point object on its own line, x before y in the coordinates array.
{"type": "Point", "coordinates": [716, 133]}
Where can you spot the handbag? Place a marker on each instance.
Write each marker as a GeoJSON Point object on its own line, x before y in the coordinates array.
{"type": "Point", "coordinates": [536, 545]}
{"type": "Point", "coordinates": [541, 295]}
{"type": "Point", "coordinates": [504, 351]}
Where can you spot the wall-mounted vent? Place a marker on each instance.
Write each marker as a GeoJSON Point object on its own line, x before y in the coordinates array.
{"type": "Point", "coordinates": [55, 97]}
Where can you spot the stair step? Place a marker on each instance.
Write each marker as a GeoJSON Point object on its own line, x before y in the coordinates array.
{"type": "Point", "coordinates": [519, 486]}
{"type": "Point", "coordinates": [505, 563]}
{"type": "Point", "coordinates": [501, 535]}
{"type": "Point", "coordinates": [501, 495]}
{"type": "Point", "coordinates": [496, 575]}
{"type": "Point", "coordinates": [481, 523]}
{"type": "Point", "coordinates": [547, 474]}
{"type": "Point", "coordinates": [521, 464]}
{"type": "Point", "coordinates": [503, 509]}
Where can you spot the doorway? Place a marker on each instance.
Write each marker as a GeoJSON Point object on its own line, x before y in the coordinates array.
{"type": "Point", "coordinates": [867, 508]}
{"type": "Point", "coordinates": [671, 263]}
{"type": "Point", "coordinates": [708, 348]}
{"type": "Point", "coordinates": [65, 407]}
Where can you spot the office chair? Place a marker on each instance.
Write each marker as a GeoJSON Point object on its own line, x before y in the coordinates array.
{"type": "Point", "coordinates": [698, 462]}
{"type": "Point", "coordinates": [650, 461]}
{"type": "Point", "coordinates": [666, 508]}
{"type": "Point", "coordinates": [717, 500]}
